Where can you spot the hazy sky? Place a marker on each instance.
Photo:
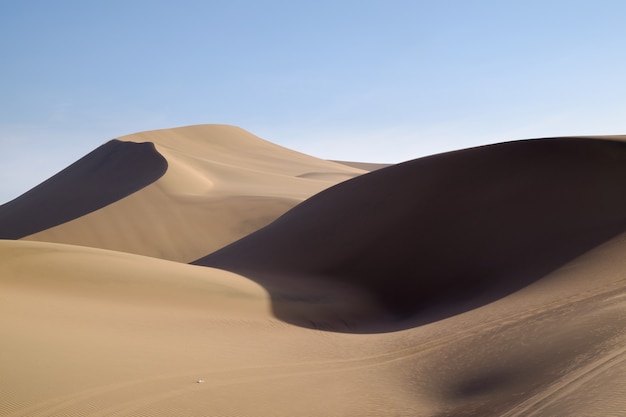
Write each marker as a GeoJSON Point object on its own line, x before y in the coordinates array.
{"type": "Point", "coordinates": [380, 81]}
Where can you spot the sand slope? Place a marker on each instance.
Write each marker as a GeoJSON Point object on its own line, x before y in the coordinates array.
{"type": "Point", "coordinates": [484, 282]}
{"type": "Point", "coordinates": [109, 173]}
{"type": "Point", "coordinates": [92, 332]}
{"type": "Point", "coordinates": [439, 235]}
{"type": "Point", "coordinates": [221, 183]}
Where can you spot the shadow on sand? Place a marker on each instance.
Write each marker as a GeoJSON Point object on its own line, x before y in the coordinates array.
{"type": "Point", "coordinates": [104, 176]}
{"type": "Point", "coordinates": [436, 236]}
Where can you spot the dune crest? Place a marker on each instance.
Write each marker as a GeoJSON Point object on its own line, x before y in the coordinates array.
{"type": "Point", "coordinates": [104, 176]}
{"type": "Point", "coordinates": [442, 234]}
{"type": "Point", "coordinates": [221, 184]}
{"type": "Point", "coordinates": [483, 282]}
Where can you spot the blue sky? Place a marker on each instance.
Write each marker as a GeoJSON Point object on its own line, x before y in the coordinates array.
{"type": "Point", "coordinates": [381, 81]}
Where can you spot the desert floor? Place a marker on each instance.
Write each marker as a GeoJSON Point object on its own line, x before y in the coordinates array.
{"type": "Point", "coordinates": [202, 271]}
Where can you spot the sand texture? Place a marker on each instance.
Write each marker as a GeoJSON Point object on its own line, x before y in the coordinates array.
{"type": "Point", "coordinates": [202, 187]}
{"type": "Point", "coordinates": [484, 282]}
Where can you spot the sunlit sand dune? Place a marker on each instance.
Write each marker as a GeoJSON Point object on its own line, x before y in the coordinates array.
{"type": "Point", "coordinates": [89, 332]}
{"type": "Point", "coordinates": [483, 282]}
{"type": "Point", "coordinates": [174, 193]}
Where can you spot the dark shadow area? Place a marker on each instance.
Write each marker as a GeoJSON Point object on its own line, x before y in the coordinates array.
{"type": "Point", "coordinates": [104, 176]}
{"type": "Point", "coordinates": [485, 383]}
{"type": "Point", "coordinates": [437, 236]}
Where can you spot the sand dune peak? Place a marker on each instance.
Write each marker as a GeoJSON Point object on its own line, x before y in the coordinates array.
{"type": "Point", "coordinates": [482, 282]}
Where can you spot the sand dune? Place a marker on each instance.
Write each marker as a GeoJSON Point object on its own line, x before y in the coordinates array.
{"type": "Point", "coordinates": [110, 173]}
{"type": "Point", "coordinates": [439, 235]}
{"type": "Point", "coordinates": [483, 282]}
{"type": "Point", "coordinates": [92, 332]}
{"type": "Point", "coordinates": [367, 166]}
{"type": "Point", "coordinates": [221, 183]}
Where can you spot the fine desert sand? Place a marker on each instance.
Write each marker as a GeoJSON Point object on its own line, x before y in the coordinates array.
{"type": "Point", "coordinates": [203, 271]}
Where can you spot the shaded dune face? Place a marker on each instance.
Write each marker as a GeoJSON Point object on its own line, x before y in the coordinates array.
{"type": "Point", "coordinates": [440, 235]}
{"type": "Point", "coordinates": [104, 176]}
{"type": "Point", "coordinates": [221, 184]}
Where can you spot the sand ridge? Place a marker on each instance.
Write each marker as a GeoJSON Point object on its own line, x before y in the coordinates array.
{"type": "Point", "coordinates": [447, 232]}
{"type": "Point", "coordinates": [483, 282]}
{"type": "Point", "coordinates": [221, 184]}
{"type": "Point", "coordinates": [109, 173]}
{"type": "Point", "coordinates": [129, 335]}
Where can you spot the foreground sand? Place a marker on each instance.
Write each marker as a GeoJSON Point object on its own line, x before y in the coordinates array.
{"type": "Point", "coordinates": [93, 332]}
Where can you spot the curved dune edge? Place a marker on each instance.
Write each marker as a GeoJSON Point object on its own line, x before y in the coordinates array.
{"type": "Point", "coordinates": [131, 335]}
{"type": "Point", "coordinates": [221, 184]}
{"type": "Point", "coordinates": [367, 166]}
{"type": "Point", "coordinates": [89, 331]}
{"type": "Point", "coordinates": [102, 177]}
{"type": "Point", "coordinates": [440, 235]}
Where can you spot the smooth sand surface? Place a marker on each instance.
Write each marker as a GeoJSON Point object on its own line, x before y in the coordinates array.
{"type": "Point", "coordinates": [109, 173]}
{"type": "Point", "coordinates": [484, 282]}
{"type": "Point", "coordinates": [367, 166]}
{"type": "Point", "coordinates": [442, 234]}
{"type": "Point", "coordinates": [221, 184]}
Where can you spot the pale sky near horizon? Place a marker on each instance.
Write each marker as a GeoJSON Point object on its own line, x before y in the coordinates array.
{"type": "Point", "coordinates": [378, 81]}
